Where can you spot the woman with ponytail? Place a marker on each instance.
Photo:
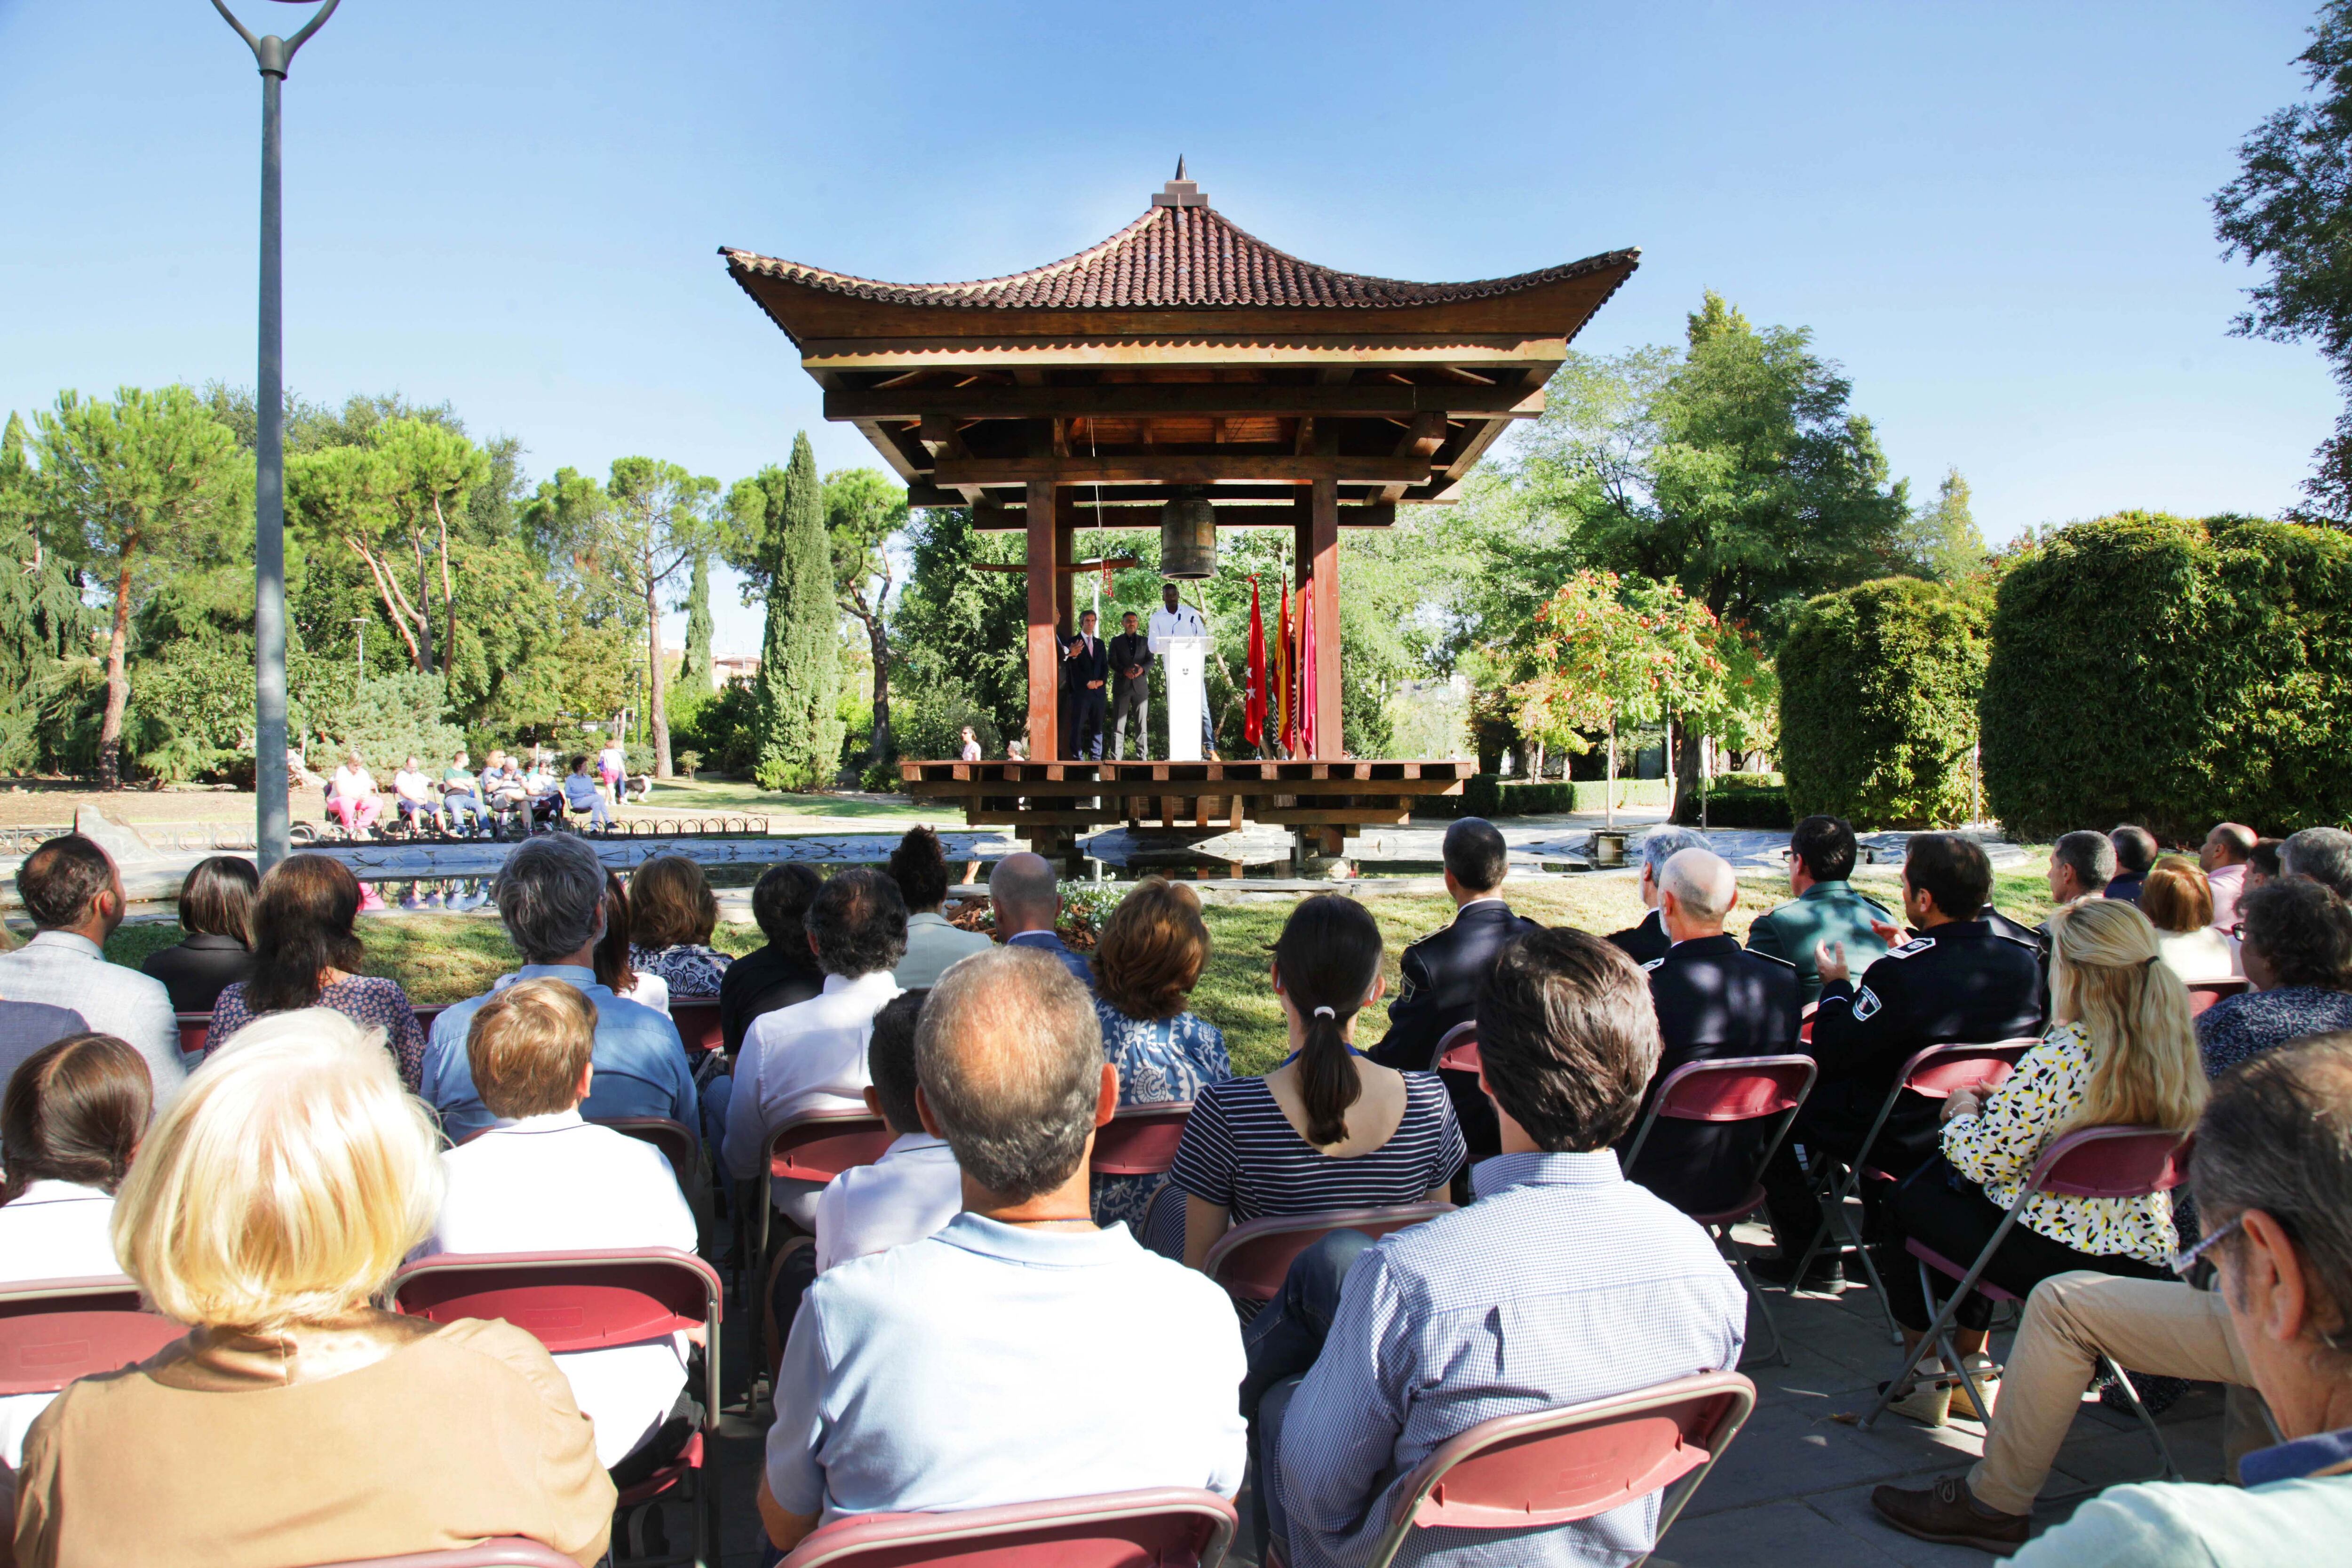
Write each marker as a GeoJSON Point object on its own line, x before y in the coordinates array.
{"type": "Point", "coordinates": [1325, 1130]}
{"type": "Point", "coordinates": [2121, 1052]}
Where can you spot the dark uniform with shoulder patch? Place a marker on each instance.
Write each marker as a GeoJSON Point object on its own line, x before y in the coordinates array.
{"type": "Point", "coordinates": [1715, 999]}
{"type": "Point", "coordinates": [1646, 941]}
{"type": "Point", "coordinates": [1440, 990]}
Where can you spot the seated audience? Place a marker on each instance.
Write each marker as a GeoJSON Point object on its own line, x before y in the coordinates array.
{"type": "Point", "coordinates": [215, 908]}
{"type": "Point", "coordinates": [2121, 1053]}
{"type": "Point", "coordinates": [1821, 853]}
{"type": "Point", "coordinates": [581, 794]}
{"type": "Point", "coordinates": [308, 954]}
{"type": "Point", "coordinates": [614, 970]}
{"type": "Point", "coordinates": [461, 805]}
{"type": "Point", "coordinates": [1442, 970]}
{"type": "Point", "coordinates": [1562, 1283]}
{"type": "Point", "coordinates": [414, 796]}
{"type": "Point", "coordinates": [2223, 857]}
{"type": "Point", "coordinates": [1328, 1129]}
{"type": "Point", "coordinates": [971, 753]}
{"type": "Point", "coordinates": [784, 971]}
{"type": "Point", "coordinates": [544, 1180]}
{"type": "Point", "coordinates": [2263, 865]}
{"type": "Point", "coordinates": [812, 1055]}
{"type": "Point", "coordinates": [1152, 951]}
{"type": "Point", "coordinates": [1714, 999]}
{"type": "Point", "coordinates": [672, 912]}
{"type": "Point", "coordinates": [551, 899]}
{"type": "Point", "coordinates": [27, 1027]}
{"type": "Point", "coordinates": [2298, 957]}
{"type": "Point", "coordinates": [2081, 864]}
{"type": "Point", "coordinates": [1028, 902]}
{"type": "Point", "coordinates": [2135, 855]}
{"type": "Point", "coordinates": [501, 782]}
{"type": "Point", "coordinates": [68, 886]}
{"type": "Point", "coordinates": [1956, 980]}
{"type": "Point", "coordinates": [920, 868]}
{"type": "Point", "coordinates": [2323, 854]}
{"type": "Point", "coordinates": [352, 796]}
{"type": "Point", "coordinates": [997, 1362]}
{"type": "Point", "coordinates": [298, 1421]}
{"type": "Point", "coordinates": [70, 1121]}
{"type": "Point", "coordinates": [1649, 940]}
{"type": "Point", "coordinates": [2179, 901]}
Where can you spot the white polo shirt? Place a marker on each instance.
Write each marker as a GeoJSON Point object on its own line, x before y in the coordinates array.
{"type": "Point", "coordinates": [54, 1230]}
{"type": "Point", "coordinates": [911, 1191]}
{"type": "Point", "coordinates": [810, 1056]}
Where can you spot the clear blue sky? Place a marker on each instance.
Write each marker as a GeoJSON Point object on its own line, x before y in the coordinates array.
{"type": "Point", "coordinates": [1994, 216]}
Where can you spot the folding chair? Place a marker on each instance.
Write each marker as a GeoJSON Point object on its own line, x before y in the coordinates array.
{"type": "Point", "coordinates": [587, 1301]}
{"type": "Point", "coordinates": [55, 1331]}
{"type": "Point", "coordinates": [1251, 1259]}
{"type": "Point", "coordinates": [505, 1551]}
{"type": "Point", "coordinates": [1933, 1074]}
{"type": "Point", "coordinates": [1457, 1051]}
{"type": "Point", "coordinates": [1167, 1527]}
{"type": "Point", "coordinates": [1140, 1139]}
{"type": "Point", "coordinates": [697, 1022]}
{"type": "Point", "coordinates": [815, 1146]}
{"type": "Point", "coordinates": [1731, 1089]}
{"type": "Point", "coordinates": [1573, 1462]}
{"type": "Point", "coordinates": [193, 1029]}
{"type": "Point", "coordinates": [679, 1144]}
{"type": "Point", "coordinates": [2203, 993]}
{"type": "Point", "coordinates": [2095, 1163]}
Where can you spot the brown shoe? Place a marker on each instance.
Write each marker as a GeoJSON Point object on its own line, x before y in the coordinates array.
{"type": "Point", "coordinates": [1950, 1513]}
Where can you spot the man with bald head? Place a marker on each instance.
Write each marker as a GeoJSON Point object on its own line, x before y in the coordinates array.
{"type": "Point", "coordinates": [2223, 856]}
{"type": "Point", "coordinates": [997, 1361]}
{"type": "Point", "coordinates": [1028, 903]}
{"type": "Point", "coordinates": [1715, 998]}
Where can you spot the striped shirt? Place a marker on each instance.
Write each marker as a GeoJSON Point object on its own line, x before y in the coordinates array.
{"type": "Point", "coordinates": [1240, 1153]}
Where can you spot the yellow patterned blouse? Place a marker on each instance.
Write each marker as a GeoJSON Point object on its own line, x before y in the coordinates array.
{"type": "Point", "coordinates": [1996, 1148]}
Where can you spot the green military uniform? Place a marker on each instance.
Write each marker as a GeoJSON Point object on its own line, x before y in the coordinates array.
{"type": "Point", "coordinates": [1826, 911]}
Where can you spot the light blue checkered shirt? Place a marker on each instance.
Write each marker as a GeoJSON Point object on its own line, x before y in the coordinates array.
{"type": "Point", "coordinates": [1563, 1282]}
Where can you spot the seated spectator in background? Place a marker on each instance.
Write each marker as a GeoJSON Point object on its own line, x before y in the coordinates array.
{"type": "Point", "coordinates": [2082, 863]}
{"type": "Point", "coordinates": [784, 971]}
{"type": "Point", "coordinates": [2223, 857]}
{"type": "Point", "coordinates": [502, 788]}
{"type": "Point", "coordinates": [1713, 1000]}
{"type": "Point", "coordinates": [581, 794]}
{"type": "Point", "coordinates": [611, 962]}
{"type": "Point", "coordinates": [2298, 957]}
{"type": "Point", "coordinates": [298, 1421]}
{"type": "Point", "coordinates": [1328, 1129]}
{"type": "Point", "coordinates": [69, 885]}
{"type": "Point", "coordinates": [2179, 901]}
{"type": "Point", "coordinates": [1440, 972]}
{"type": "Point", "coordinates": [812, 1055]}
{"type": "Point", "coordinates": [971, 753]}
{"type": "Point", "coordinates": [1020, 1353]}
{"type": "Point", "coordinates": [215, 908]}
{"type": "Point", "coordinates": [551, 899]}
{"type": "Point", "coordinates": [544, 1180]}
{"type": "Point", "coordinates": [1562, 1283]}
{"type": "Point", "coordinates": [2272, 1176]}
{"type": "Point", "coordinates": [2135, 855]}
{"type": "Point", "coordinates": [2324, 855]}
{"type": "Point", "coordinates": [414, 796]}
{"type": "Point", "coordinates": [352, 796]}
{"type": "Point", "coordinates": [1028, 907]}
{"type": "Point", "coordinates": [461, 803]}
{"type": "Point", "coordinates": [2263, 865]}
{"type": "Point", "coordinates": [71, 1119]}
{"type": "Point", "coordinates": [672, 912]}
{"type": "Point", "coordinates": [920, 868]}
{"type": "Point", "coordinates": [2120, 1053]}
{"type": "Point", "coordinates": [1820, 858]}
{"type": "Point", "coordinates": [308, 954]}
{"type": "Point", "coordinates": [27, 1027]}
{"type": "Point", "coordinates": [1648, 940]}
{"type": "Point", "coordinates": [1152, 951]}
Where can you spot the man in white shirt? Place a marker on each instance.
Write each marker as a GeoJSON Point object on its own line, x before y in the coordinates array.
{"type": "Point", "coordinates": [811, 1056]}
{"type": "Point", "coordinates": [69, 885]}
{"type": "Point", "coordinates": [996, 1362]}
{"type": "Point", "coordinates": [543, 1180]}
{"type": "Point", "coordinates": [2223, 856]}
{"type": "Point", "coordinates": [1175, 619]}
{"type": "Point", "coordinates": [414, 796]}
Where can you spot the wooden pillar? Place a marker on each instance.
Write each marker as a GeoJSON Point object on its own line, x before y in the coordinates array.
{"type": "Point", "coordinates": [1066, 618]}
{"type": "Point", "coordinates": [1044, 656]}
{"type": "Point", "coordinates": [1326, 544]}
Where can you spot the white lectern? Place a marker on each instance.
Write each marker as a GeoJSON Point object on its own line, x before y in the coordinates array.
{"type": "Point", "coordinates": [1183, 658]}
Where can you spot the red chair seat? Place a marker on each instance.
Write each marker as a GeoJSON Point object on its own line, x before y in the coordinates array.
{"type": "Point", "coordinates": [1166, 1527]}
{"type": "Point", "coordinates": [1140, 1139]}
{"type": "Point", "coordinates": [1251, 1259]}
{"type": "Point", "coordinates": [55, 1331]}
{"type": "Point", "coordinates": [505, 1551]}
{"type": "Point", "coordinates": [1458, 1051]}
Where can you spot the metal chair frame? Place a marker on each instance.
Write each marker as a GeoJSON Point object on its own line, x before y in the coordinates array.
{"type": "Point", "coordinates": [500, 1551]}
{"type": "Point", "coordinates": [1457, 1049]}
{"type": "Point", "coordinates": [679, 1144]}
{"type": "Point", "coordinates": [893, 1539]}
{"type": "Point", "coordinates": [1312, 1227]}
{"type": "Point", "coordinates": [1123, 1146]}
{"type": "Point", "coordinates": [779, 1162]}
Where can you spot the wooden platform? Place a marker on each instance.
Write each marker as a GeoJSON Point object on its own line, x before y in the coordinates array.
{"type": "Point", "coordinates": [1048, 803]}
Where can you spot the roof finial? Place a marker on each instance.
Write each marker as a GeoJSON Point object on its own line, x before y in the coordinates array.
{"type": "Point", "coordinates": [1180, 192]}
{"type": "Point", "coordinates": [1180, 165]}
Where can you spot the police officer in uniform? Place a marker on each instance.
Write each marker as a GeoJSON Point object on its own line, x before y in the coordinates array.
{"type": "Point", "coordinates": [1826, 908]}
{"type": "Point", "coordinates": [1713, 1000]}
{"type": "Point", "coordinates": [1443, 970]}
{"type": "Point", "coordinates": [1956, 980]}
{"type": "Point", "coordinates": [1648, 940]}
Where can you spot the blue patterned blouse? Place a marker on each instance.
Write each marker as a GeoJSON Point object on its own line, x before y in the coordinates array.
{"type": "Point", "coordinates": [368, 1000]}
{"type": "Point", "coordinates": [1157, 1060]}
{"type": "Point", "coordinates": [691, 969]}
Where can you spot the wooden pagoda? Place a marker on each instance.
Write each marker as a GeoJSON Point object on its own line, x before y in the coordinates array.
{"type": "Point", "coordinates": [1180, 352]}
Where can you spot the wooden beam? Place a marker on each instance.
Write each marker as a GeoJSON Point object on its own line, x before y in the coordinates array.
{"type": "Point", "coordinates": [1324, 503]}
{"type": "Point", "coordinates": [1424, 434]}
{"type": "Point", "coordinates": [1275, 515]}
{"type": "Point", "coordinates": [951, 472]}
{"type": "Point", "coordinates": [1062, 349]}
{"type": "Point", "coordinates": [1133, 399]}
{"type": "Point", "coordinates": [1045, 654]}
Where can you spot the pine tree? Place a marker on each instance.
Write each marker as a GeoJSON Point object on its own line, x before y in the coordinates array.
{"type": "Point", "coordinates": [694, 668]}
{"type": "Point", "coordinates": [799, 656]}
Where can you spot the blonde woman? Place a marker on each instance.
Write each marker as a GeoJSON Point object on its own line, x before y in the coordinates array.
{"type": "Point", "coordinates": [2121, 1052]}
{"type": "Point", "coordinates": [298, 1422]}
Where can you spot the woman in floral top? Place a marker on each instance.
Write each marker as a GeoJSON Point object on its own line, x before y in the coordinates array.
{"type": "Point", "coordinates": [2122, 1053]}
{"type": "Point", "coordinates": [1152, 951]}
{"type": "Point", "coordinates": [672, 912]}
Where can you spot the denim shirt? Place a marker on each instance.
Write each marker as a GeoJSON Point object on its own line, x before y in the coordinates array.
{"type": "Point", "coordinates": [641, 1066]}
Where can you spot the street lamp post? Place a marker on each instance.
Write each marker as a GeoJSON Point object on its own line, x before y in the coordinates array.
{"type": "Point", "coordinates": [272, 54]}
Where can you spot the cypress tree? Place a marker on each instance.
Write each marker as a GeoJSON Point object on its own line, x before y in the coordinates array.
{"type": "Point", "coordinates": [799, 656]}
{"type": "Point", "coordinates": [694, 668]}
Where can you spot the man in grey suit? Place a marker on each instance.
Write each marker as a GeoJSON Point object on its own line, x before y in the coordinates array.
{"type": "Point", "coordinates": [70, 887]}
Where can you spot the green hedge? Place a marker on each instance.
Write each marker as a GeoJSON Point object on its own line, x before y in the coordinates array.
{"type": "Point", "coordinates": [1492, 795]}
{"type": "Point", "coordinates": [1734, 801]}
{"type": "Point", "coordinates": [1878, 704]}
{"type": "Point", "coordinates": [2174, 673]}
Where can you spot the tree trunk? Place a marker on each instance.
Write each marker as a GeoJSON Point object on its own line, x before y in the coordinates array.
{"type": "Point", "coordinates": [1681, 766]}
{"type": "Point", "coordinates": [424, 606]}
{"type": "Point", "coordinates": [1609, 795]}
{"type": "Point", "coordinates": [656, 708]}
{"type": "Point", "coordinates": [118, 687]}
{"type": "Point", "coordinates": [877, 637]}
{"type": "Point", "coordinates": [448, 591]}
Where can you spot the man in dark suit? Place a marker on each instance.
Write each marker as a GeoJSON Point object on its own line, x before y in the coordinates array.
{"type": "Point", "coordinates": [1648, 940]}
{"type": "Point", "coordinates": [1715, 999]}
{"type": "Point", "coordinates": [1087, 669]}
{"type": "Point", "coordinates": [1442, 972]}
{"type": "Point", "coordinates": [1131, 689]}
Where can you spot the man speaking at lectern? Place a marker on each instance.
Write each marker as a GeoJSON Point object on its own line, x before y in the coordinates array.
{"type": "Point", "coordinates": [1177, 620]}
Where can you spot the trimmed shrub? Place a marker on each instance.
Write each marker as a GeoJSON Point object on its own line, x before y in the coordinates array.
{"type": "Point", "coordinates": [1740, 800]}
{"type": "Point", "coordinates": [1493, 795]}
{"type": "Point", "coordinates": [2174, 673]}
{"type": "Point", "coordinates": [1878, 704]}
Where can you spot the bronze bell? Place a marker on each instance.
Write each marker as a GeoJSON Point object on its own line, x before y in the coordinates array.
{"type": "Point", "coordinates": [1188, 534]}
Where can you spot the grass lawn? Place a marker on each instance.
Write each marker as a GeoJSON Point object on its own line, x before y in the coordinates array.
{"type": "Point", "coordinates": [716, 794]}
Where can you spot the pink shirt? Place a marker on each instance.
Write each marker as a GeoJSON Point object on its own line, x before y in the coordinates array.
{"type": "Point", "coordinates": [2227, 884]}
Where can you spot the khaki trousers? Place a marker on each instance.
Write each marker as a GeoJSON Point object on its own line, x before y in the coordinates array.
{"type": "Point", "coordinates": [2163, 1328]}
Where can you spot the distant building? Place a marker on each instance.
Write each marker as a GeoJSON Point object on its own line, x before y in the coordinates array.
{"type": "Point", "coordinates": [729, 666]}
